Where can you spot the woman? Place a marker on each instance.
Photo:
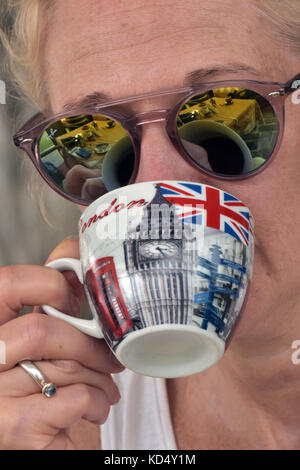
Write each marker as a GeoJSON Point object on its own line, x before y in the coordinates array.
{"type": "Point", "coordinates": [76, 51]}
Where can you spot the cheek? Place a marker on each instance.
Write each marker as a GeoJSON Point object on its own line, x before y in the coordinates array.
{"type": "Point", "coordinates": [277, 201]}
{"type": "Point", "coordinates": [274, 200]}
{"type": "Point", "coordinates": [274, 196]}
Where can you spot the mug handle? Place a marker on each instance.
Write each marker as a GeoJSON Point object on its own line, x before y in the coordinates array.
{"type": "Point", "coordinates": [90, 327]}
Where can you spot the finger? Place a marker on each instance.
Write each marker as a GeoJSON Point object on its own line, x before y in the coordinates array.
{"type": "Point", "coordinates": [36, 420]}
{"type": "Point", "coordinates": [76, 177]}
{"type": "Point", "coordinates": [62, 441]}
{"type": "Point", "coordinates": [17, 383]}
{"type": "Point", "coordinates": [91, 190]}
{"type": "Point", "coordinates": [68, 248]}
{"type": "Point", "coordinates": [71, 403]}
{"type": "Point", "coordinates": [33, 285]}
{"type": "Point", "coordinates": [39, 337]}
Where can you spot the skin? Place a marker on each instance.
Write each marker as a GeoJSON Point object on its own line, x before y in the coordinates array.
{"type": "Point", "coordinates": [78, 364]}
{"type": "Point", "coordinates": [251, 395]}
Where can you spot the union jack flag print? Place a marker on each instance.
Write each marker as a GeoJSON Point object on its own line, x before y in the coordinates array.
{"type": "Point", "coordinates": [201, 204]}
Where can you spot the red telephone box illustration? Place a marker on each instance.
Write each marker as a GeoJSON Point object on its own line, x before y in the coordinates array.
{"type": "Point", "coordinates": [105, 292]}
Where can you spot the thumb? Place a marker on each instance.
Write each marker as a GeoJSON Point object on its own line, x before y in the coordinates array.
{"type": "Point", "coordinates": [68, 248]}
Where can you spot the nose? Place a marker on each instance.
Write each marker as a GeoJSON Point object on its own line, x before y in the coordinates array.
{"type": "Point", "coordinates": [159, 159]}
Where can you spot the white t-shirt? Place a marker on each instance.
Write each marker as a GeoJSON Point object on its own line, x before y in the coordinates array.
{"type": "Point", "coordinates": [141, 420]}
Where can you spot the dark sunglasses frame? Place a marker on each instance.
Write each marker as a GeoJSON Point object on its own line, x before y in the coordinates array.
{"type": "Point", "coordinates": [275, 93]}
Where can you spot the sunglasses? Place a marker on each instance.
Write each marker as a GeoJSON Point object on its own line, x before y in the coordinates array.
{"type": "Point", "coordinates": [231, 130]}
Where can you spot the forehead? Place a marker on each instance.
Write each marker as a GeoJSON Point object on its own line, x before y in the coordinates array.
{"type": "Point", "coordinates": [124, 48]}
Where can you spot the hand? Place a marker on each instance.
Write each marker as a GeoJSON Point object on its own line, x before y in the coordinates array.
{"type": "Point", "coordinates": [199, 153]}
{"type": "Point", "coordinates": [84, 182]}
{"type": "Point", "coordinates": [79, 365]}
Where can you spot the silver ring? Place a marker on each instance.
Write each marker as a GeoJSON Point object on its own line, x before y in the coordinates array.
{"type": "Point", "coordinates": [48, 388]}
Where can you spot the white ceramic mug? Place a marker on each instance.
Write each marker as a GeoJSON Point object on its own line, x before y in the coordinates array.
{"type": "Point", "coordinates": [166, 267]}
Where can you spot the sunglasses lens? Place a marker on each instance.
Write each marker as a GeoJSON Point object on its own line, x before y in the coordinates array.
{"type": "Point", "coordinates": [86, 156]}
{"type": "Point", "coordinates": [228, 131]}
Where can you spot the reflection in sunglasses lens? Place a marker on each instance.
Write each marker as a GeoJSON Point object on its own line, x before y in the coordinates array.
{"type": "Point", "coordinates": [229, 131]}
{"type": "Point", "coordinates": [226, 131]}
{"type": "Point", "coordinates": [87, 155]}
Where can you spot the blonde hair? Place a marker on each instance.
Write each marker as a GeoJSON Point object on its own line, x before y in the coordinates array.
{"type": "Point", "coordinates": [285, 17]}
{"type": "Point", "coordinates": [30, 18]}
{"type": "Point", "coordinates": [23, 44]}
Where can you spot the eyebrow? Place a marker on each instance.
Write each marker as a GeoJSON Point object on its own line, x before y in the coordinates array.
{"type": "Point", "coordinates": [192, 78]}
{"type": "Point", "coordinates": [87, 100]}
{"type": "Point", "coordinates": [197, 76]}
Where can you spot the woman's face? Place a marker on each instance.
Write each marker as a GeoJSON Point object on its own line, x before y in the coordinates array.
{"type": "Point", "coordinates": [123, 48]}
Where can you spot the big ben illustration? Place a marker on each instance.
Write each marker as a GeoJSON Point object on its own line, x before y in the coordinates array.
{"type": "Point", "coordinates": [161, 262]}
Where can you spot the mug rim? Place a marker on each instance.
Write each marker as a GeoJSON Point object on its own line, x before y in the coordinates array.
{"type": "Point", "coordinates": [124, 188]}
